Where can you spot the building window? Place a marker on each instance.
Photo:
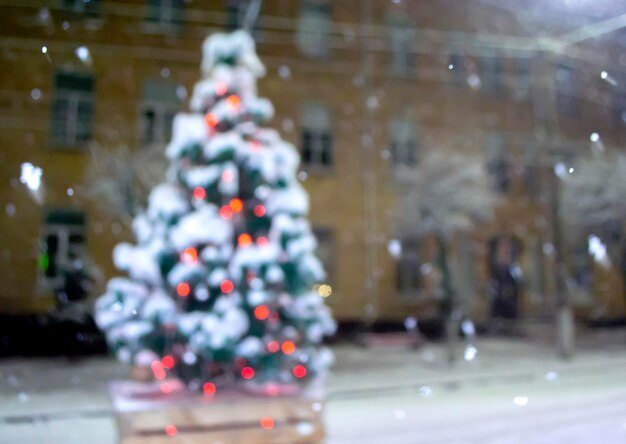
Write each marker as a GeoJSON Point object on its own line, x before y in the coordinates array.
{"type": "Point", "coordinates": [491, 74]}
{"type": "Point", "coordinates": [326, 251]}
{"type": "Point", "coordinates": [403, 132]}
{"type": "Point", "coordinates": [166, 13]}
{"type": "Point", "coordinates": [498, 164]}
{"type": "Point", "coordinates": [313, 34]}
{"type": "Point", "coordinates": [82, 6]}
{"type": "Point", "coordinates": [402, 42]}
{"type": "Point", "coordinates": [317, 141]}
{"type": "Point", "coordinates": [72, 111]}
{"type": "Point", "coordinates": [409, 282]}
{"type": "Point", "coordinates": [159, 104]}
{"type": "Point", "coordinates": [566, 91]}
{"type": "Point", "coordinates": [64, 244]}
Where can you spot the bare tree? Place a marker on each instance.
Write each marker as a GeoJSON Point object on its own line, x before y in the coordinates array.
{"type": "Point", "coordinates": [119, 180]}
{"type": "Point", "coordinates": [594, 202]}
{"type": "Point", "coordinates": [445, 194]}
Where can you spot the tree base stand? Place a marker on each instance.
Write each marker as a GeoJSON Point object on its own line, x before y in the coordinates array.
{"type": "Point", "coordinates": [146, 415]}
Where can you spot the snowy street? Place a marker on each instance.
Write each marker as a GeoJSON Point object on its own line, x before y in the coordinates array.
{"type": "Point", "coordinates": [513, 391]}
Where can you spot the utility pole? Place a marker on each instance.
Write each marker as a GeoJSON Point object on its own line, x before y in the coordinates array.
{"type": "Point", "coordinates": [546, 121]}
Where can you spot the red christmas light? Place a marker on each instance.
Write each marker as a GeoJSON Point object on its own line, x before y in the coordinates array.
{"type": "Point", "coordinates": [168, 361]}
{"type": "Point", "coordinates": [211, 120]}
{"type": "Point", "coordinates": [199, 193]}
{"type": "Point", "coordinates": [157, 369]}
{"type": "Point", "coordinates": [261, 312]}
{"type": "Point", "coordinates": [259, 211]}
{"type": "Point", "coordinates": [267, 423]}
{"type": "Point", "coordinates": [299, 371]}
{"type": "Point", "coordinates": [262, 240]}
{"type": "Point", "coordinates": [166, 388]}
{"type": "Point", "coordinates": [183, 289]}
{"type": "Point", "coordinates": [288, 347]}
{"type": "Point", "coordinates": [226, 212]}
{"type": "Point", "coordinates": [227, 286]}
{"type": "Point", "coordinates": [189, 255]}
{"type": "Point", "coordinates": [209, 389]}
{"type": "Point", "coordinates": [245, 240]}
{"type": "Point", "coordinates": [221, 88]}
{"type": "Point", "coordinates": [170, 430]}
{"type": "Point", "coordinates": [255, 145]}
{"type": "Point", "coordinates": [273, 346]}
{"type": "Point", "coordinates": [233, 101]}
{"type": "Point", "coordinates": [247, 373]}
{"type": "Point", "coordinates": [236, 205]}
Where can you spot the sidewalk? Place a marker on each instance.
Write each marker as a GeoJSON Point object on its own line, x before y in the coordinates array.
{"type": "Point", "coordinates": [56, 400]}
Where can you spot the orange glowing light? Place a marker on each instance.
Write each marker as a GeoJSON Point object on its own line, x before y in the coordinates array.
{"type": "Point", "coordinates": [227, 286]}
{"type": "Point", "coordinates": [209, 389]}
{"type": "Point", "coordinates": [233, 101]}
{"type": "Point", "coordinates": [245, 240]}
{"type": "Point", "coordinates": [183, 289]}
{"type": "Point", "coordinates": [211, 120]}
{"type": "Point", "coordinates": [189, 255]}
{"type": "Point", "coordinates": [299, 371]}
{"type": "Point", "coordinates": [267, 423]}
{"type": "Point", "coordinates": [226, 212]}
{"type": "Point", "coordinates": [236, 205]}
{"type": "Point", "coordinates": [261, 312]}
{"type": "Point", "coordinates": [288, 347]}
{"type": "Point", "coordinates": [247, 373]}
{"type": "Point", "coordinates": [273, 346]}
{"type": "Point", "coordinates": [259, 211]}
{"type": "Point", "coordinates": [168, 361]}
{"type": "Point", "coordinates": [262, 240]}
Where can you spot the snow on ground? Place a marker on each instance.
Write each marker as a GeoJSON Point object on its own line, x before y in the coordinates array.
{"type": "Point", "coordinates": [514, 391]}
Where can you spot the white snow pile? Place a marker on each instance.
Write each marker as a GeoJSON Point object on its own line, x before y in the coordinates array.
{"type": "Point", "coordinates": [183, 272]}
{"type": "Point", "coordinates": [222, 144]}
{"type": "Point", "coordinates": [237, 48]}
{"type": "Point", "coordinates": [202, 176]}
{"type": "Point", "coordinates": [166, 202]}
{"type": "Point", "coordinates": [139, 261]}
{"type": "Point", "coordinates": [188, 129]}
{"type": "Point", "coordinates": [292, 200]}
{"type": "Point", "coordinates": [250, 347]}
{"type": "Point", "coordinates": [310, 269]}
{"type": "Point", "coordinates": [203, 226]}
{"type": "Point", "coordinates": [120, 302]}
{"type": "Point", "coordinates": [310, 307]}
{"type": "Point", "coordinates": [252, 258]}
{"type": "Point", "coordinates": [158, 306]}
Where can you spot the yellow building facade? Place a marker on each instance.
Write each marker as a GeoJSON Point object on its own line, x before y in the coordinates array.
{"type": "Point", "coordinates": [359, 87]}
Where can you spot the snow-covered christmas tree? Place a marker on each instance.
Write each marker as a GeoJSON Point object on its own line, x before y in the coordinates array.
{"type": "Point", "coordinates": [220, 280]}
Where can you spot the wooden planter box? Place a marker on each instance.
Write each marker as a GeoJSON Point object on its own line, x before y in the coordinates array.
{"type": "Point", "coordinates": [147, 416]}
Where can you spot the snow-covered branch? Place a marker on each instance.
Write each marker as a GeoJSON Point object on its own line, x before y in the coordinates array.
{"type": "Point", "coordinates": [445, 193]}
